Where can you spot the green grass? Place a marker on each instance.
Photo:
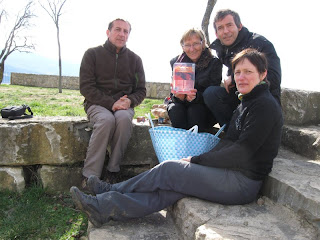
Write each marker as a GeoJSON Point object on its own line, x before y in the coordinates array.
{"type": "Point", "coordinates": [49, 102]}
{"type": "Point", "coordinates": [35, 214]}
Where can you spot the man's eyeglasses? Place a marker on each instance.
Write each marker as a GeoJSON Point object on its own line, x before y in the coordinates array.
{"type": "Point", "coordinates": [194, 45]}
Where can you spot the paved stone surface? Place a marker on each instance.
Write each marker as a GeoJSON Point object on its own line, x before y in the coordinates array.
{"type": "Point", "coordinates": [157, 226]}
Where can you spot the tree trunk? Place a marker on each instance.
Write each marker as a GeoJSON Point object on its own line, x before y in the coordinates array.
{"type": "Point", "coordinates": [1, 71]}
{"type": "Point", "coordinates": [206, 18]}
{"type": "Point", "coordinates": [60, 66]}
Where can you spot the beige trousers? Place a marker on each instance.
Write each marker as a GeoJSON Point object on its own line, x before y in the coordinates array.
{"type": "Point", "coordinates": [112, 128]}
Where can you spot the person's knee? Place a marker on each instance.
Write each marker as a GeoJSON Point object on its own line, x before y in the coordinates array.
{"type": "Point", "coordinates": [211, 91]}
{"type": "Point", "coordinates": [171, 166]}
{"type": "Point", "coordinates": [124, 119]}
{"type": "Point", "coordinates": [105, 120]}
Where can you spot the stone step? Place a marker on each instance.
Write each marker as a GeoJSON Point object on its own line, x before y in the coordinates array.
{"type": "Point", "coordinates": [294, 182]}
{"type": "Point", "coordinates": [198, 219]}
{"type": "Point", "coordinates": [304, 140]}
{"type": "Point", "coordinates": [155, 226]}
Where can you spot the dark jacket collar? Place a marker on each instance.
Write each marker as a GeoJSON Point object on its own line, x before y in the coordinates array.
{"type": "Point", "coordinates": [257, 90]}
{"type": "Point", "coordinates": [112, 48]}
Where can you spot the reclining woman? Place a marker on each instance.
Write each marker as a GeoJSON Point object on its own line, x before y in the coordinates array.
{"type": "Point", "coordinates": [187, 110]}
{"type": "Point", "coordinates": [231, 173]}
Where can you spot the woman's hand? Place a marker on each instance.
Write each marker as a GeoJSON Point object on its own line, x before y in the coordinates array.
{"type": "Point", "coordinates": [188, 159]}
{"type": "Point", "coordinates": [192, 95]}
{"type": "Point", "coordinates": [180, 96]}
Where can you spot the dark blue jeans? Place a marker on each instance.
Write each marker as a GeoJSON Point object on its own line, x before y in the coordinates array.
{"type": "Point", "coordinates": [221, 103]}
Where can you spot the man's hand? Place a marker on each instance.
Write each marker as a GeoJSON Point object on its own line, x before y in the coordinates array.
{"type": "Point", "coordinates": [192, 95]}
{"type": "Point", "coordinates": [228, 84]}
{"type": "Point", "coordinates": [122, 104]}
{"type": "Point", "coordinates": [188, 159]}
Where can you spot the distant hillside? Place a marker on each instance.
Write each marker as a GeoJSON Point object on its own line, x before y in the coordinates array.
{"type": "Point", "coordinates": [33, 63]}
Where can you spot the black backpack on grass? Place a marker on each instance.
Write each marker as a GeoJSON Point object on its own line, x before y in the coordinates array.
{"type": "Point", "coordinates": [16, 112]}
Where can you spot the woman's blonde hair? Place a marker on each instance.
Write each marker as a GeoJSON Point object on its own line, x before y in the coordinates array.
{"type": "Point", "coordinates": [191, 32]}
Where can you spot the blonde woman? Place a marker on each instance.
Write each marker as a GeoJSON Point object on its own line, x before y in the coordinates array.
{"type": "Point", "coordinates": [187, 110]}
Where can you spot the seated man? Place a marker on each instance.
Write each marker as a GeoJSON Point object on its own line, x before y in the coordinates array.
{"type": "Point", "coordinates": [112, 81]}
{"type": "Point", "coordinates": [232, 38]}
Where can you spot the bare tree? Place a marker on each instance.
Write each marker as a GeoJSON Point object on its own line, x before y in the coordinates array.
{"type": "Point", "coordinates": [206, 18]}
{"type": "Point", "coordinates": [54, 10]}
{"type": "Point", "coordinates": [15, 40]}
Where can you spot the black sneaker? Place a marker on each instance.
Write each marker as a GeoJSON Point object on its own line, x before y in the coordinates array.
{"type": "Point", "coordinates": [88, 204]}
{"type": "Point", "coordinates": [96, 186]}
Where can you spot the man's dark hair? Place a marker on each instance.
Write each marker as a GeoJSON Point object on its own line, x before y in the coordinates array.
{"type": "Point", "coordinates": [110, 26]}
{"type": "Point", "coordinates": [221, 14]}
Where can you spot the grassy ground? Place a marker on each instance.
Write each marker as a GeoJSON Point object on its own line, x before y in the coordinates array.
{"type": "Point", "coordinates": [34, 214]}
{"type": "Point", "coordinates": [49, 102]}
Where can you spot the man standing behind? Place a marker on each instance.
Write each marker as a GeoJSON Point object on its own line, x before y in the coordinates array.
{"type": "Point", "coordinates": [112, 81]}
{"type": "Point", "coordinates": [232, 38]}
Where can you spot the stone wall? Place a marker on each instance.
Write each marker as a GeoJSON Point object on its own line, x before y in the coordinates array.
{"type": "Point", "coordinates": [154, 90]}
{"type": "Point", "coordinates": [51, 150]}
{"type": "Point", "coordinates": [48, 81]}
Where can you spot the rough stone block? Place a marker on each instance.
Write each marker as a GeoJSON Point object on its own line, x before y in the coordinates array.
{"type": "Point", "coordinates": [12, 178]}
{"type": "Point", "coordinates": [302, 140]}
{"type": "Point", "coordinates": [140, 150]}
{"type": "Point", "coordinates": [60, 179]}
{"type": "Point", "coordinates": [40, 140]}
{"type": "Point", "coordinates": [295, 183]}
{"type": "Point", "coordinates": [198, 219]}
{"type": "Point", "coordinates": [300, 107]}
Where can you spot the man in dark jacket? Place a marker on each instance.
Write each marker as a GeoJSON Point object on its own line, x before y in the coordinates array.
{"type": "Point", "coordinates": [112, 81]}
{"type": "Point", "coordinates": [232, 38]}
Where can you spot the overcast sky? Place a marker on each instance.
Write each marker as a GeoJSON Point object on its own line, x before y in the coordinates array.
{"type": "Point", "coordinates": [157, 26]}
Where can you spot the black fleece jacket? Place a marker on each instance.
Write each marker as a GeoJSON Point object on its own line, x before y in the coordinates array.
{"type": "Point", "coordinates": [253, 137]}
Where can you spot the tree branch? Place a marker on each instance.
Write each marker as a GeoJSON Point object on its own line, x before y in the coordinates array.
{"type": "Point", "coordinates": [206, 18]}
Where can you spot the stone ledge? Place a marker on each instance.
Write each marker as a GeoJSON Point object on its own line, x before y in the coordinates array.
{"type": "Point", "coordinates": [198, 219]}
{"type": "Point", "coordinates": [63, 141]}
{"type": "Point", "coordinates": [304, 140]}
{"type": "Point", "coordinates": [300, 107]}
{"type": "Point", "coordinates": [294, 182]}
{"type": "Point", "coordinates": [57, 146]}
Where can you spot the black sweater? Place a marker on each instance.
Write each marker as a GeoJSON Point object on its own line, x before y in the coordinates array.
{"type": "Point", "coordinates": [253, 137]}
